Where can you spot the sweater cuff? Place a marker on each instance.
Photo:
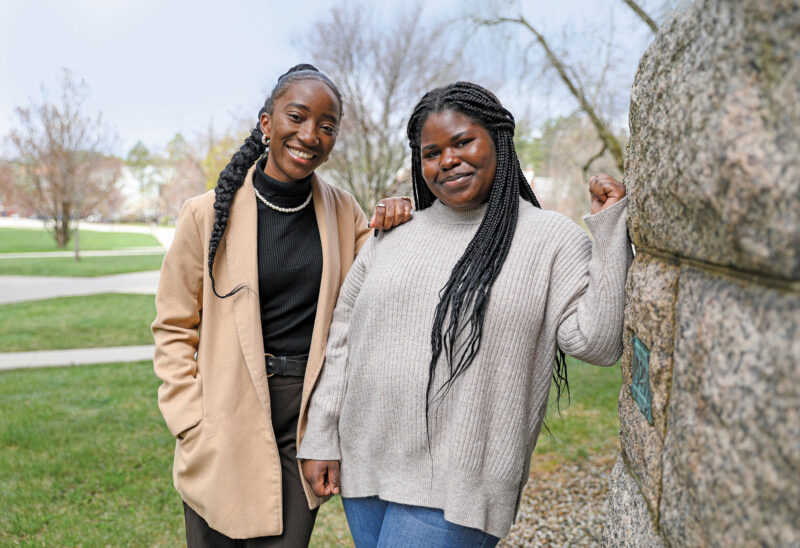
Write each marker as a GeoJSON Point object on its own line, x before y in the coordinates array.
{"type": "Point", "coordinates": [316, 446]}
{"type": "Point", "coordinates": [607, 217]}
{"type": "Point", "coordinates": [609, 226]}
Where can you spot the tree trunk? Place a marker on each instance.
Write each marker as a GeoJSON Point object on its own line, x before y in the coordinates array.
{"type": "Point", "coordinates": [61, 232]}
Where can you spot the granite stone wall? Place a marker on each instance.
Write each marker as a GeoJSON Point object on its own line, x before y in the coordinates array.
{"type": "Point", "coordinates": [713, 177]}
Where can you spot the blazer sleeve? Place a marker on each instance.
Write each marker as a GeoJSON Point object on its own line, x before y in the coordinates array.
{"type": "Point", "coordinates": [321, 440]}
{"type": "Point", "coordinates": [362, 231]}
{"type": "Point", "coordinates": [179, 301]}
{"type": "Point", "coordinates": [589, 281]}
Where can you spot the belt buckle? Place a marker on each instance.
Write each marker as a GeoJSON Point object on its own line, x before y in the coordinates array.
{"type": "Point", "coordinates": [271, 356]}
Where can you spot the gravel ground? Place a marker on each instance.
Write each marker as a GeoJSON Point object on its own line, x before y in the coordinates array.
{"type": "Point", "coordinates": [563, 507]}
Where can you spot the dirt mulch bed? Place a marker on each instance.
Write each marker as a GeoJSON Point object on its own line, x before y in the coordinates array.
{"type": "Point", "coordinates": [565, 506]}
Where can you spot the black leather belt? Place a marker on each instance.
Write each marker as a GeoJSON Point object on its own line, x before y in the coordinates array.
{"type": "Point", "coordinates": [291, 366]}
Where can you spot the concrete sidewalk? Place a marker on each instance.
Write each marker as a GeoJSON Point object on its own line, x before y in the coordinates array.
{"type": "Point", "coordinates": [14, 289]}
{"type": "Point", "coordinates": [76, 356]}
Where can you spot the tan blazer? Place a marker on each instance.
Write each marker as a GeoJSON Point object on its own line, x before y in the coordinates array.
{"type": "Point", "coordinates": [210, 357]}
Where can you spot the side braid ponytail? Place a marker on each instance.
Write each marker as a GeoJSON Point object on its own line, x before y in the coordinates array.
{"type": "Point", "coordinates": [230, 180]}
{"type": "Point", "coordinates": [232, 177]}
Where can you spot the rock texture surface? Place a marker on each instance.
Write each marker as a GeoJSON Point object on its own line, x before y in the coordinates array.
{"type": "Point", "coordinates": [713, 177]}
{"type": "Point", "coordinates": [649, 314]}
{"type": "Point", "coordinates": [732, 452]}
{"type": "Point", "coordinates": [630, 524]}
{"type": "Point", "coordinates": [713, 166]}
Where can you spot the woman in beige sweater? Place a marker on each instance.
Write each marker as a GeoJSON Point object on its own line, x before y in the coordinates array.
{"type": "Point", "coordinates": [448, 330]}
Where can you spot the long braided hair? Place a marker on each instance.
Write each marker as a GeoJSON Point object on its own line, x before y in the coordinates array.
{"type": "Point", "coordinates": [232, 177]}
{"type": "Point", "coordinates": [465, 296]}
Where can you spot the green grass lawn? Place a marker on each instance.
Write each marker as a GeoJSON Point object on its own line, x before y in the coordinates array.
{"type": "Point", "coordinates": [85, 458]}
{"type": "Point", "coordinates": [19, 240]}
{"type": "Point", "coordinates": [92, 321]}
{"type": "Point", "coordinates": [588, 424]}
{"type": "Point", "coordinates": [87, 266]}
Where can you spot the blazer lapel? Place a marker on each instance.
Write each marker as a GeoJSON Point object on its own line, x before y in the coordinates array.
{"type": "Point", "coordinates": [241, 241]}
{"type": "Point", "coordinates": [325, 210]}
{"type": "Point", "coordinates": [241, 244]}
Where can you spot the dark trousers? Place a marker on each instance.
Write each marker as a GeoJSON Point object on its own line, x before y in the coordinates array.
{"type": "Point", "coordinates": [298, 521]}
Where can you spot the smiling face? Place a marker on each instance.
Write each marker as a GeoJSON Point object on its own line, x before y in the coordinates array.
{"type": "Point", "coordinates": [459, 159]}
{"type": "Point", "coordinates": [302, 129]}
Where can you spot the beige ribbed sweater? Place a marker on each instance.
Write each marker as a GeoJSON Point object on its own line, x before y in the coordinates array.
{"type": "Point", "coordinates": [368, 409]}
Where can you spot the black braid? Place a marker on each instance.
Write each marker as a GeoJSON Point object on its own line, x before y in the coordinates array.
{"type": "Point", "coordinates": [230, 180]}
{"type": "Point", "coordinates": [463, 300]}
{"type": "Point", "coordinates": [232, 177]}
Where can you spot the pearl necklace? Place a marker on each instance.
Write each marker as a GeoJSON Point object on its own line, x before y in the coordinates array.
{"type": "Point", "coordinates": [284, 209]}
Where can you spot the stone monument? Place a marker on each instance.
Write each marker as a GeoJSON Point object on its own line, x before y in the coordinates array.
{"type": "Point", "coordinates": [710, 404]}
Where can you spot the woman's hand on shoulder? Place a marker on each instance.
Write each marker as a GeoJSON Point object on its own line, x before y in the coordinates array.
{"type": "Point", "coordinates": [390, 212]}
{"type": "Point", "coordinates": [323, 476]}
{"type": "Point", "coordinates": [605, 191]}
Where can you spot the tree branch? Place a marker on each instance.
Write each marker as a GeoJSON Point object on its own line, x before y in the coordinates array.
{"type": "Point", "coordinates": [591, 160]}
{"type": "Point", "coordinates": [603, 132]}
{"type": "Point", "coordinates": [642, 14]}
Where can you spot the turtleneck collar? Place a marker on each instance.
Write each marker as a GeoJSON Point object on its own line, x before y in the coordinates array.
{"type": "Point", "coordinates": [280, 193]}
{"type": "Point", "coordinates": [447, 215]}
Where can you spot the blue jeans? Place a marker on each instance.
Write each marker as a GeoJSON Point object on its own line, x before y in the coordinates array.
{"type": "Point", "coordinates": [375, 523]}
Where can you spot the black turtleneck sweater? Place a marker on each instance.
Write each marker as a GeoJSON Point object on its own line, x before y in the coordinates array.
{"type": "Point", "coordinates": [289, 265]}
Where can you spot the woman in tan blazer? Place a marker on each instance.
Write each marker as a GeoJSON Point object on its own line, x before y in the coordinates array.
{"type": "Point", "coordinates": [244, 304]}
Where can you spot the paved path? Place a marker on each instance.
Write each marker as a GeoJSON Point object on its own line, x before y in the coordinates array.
{"type": "Point", "coordinates": [14, 289]}
{"type": "Point", "coordinates": [28, 288]}
{"type": "Point", "coordinates": [77, 356]}
{"type": "Point", "coordinates": [105, 253]}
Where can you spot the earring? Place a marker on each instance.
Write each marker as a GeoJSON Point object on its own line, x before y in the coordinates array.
{"type": "Point", "coordinates": [265, 140]}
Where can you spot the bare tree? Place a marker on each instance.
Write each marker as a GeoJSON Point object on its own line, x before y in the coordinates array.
{"type": "Point", "coordinates": [382, 69]}
{"type": "Point", "coordinates": [584, 91]}
{"type": "Point", "coordinates": [62, 155]}
{"type": "Point", "coordinates": [185, 177]}
{"type": "Point", "coordinates": [8, 191]}
{"type": "Point", "coordinates": [188, 167]}
{"type": "Point", "coordinates": [567, 141]}
{"type": "Point", "coordinates": [143, 166]}
{"type": "Point", "coordinates": [571, 80]}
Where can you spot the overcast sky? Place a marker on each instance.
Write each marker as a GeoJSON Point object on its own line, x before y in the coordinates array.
{"type": "Point", "coordinates": [156, 67]}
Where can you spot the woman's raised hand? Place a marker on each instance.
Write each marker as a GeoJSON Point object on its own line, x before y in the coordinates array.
{"type": "Point", "coordinates": [323, 475]}
{"type": "Point", "coordinates": [391, 212]}
{"type": "Point", "coordinates": [605, 191]}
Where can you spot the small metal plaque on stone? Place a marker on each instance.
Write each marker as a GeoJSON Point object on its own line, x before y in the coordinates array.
{"type": "Point", "coordinates": [640, 386]}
